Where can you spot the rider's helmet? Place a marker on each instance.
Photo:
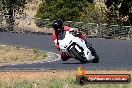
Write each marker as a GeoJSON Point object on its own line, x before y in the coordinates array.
{"type": "Point", "coordinates": [57, 25]}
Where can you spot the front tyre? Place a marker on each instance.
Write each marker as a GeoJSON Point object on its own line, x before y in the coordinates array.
{"type": "Point", "coordinates": [78, 56]}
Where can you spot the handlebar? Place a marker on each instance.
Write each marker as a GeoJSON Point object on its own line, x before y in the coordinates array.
{"type": "Point", "coordinates": [75, 33]}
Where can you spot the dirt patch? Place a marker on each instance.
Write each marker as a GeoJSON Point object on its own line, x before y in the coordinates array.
{"type": "Point", "coordinates": [11, 54]}
{"type": "Point", "coordinates": [6, 76]}
{"type": "Point", "coordinates": [53, 79]}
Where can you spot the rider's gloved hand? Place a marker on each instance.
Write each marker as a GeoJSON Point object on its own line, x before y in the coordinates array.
{"type": "Point", "coordinates": [74, 29]}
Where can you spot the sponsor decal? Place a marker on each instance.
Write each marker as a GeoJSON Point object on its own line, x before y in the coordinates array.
{"type": "Point", "coordinates": [82, 77]}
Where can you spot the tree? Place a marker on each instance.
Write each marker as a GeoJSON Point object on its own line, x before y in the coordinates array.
{"type": "Point", "coordinates": [9, 8]}
{"type": "Point", "coordinates": [118, 10]}
{"type": "Point", "coordinates": [63, 9]}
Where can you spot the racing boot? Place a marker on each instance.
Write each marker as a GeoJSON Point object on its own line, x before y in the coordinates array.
{"type": "Point", "coordinates": [64, 56]}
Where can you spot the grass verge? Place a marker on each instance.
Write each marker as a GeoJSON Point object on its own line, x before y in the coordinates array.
{"type": "Point", "coordinates": [11, 54]}
{"type": "Point", "coordinates": [53, 79]}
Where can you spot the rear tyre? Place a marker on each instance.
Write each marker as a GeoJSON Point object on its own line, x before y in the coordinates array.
{"type": "Point", "coordinates": [78, 56]}
{"type": "Point", "coordinates": [96, 59]}
{"type": "Point", "coordinates": [89, 46]}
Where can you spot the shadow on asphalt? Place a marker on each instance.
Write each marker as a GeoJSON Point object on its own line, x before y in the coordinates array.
{"type": "Point", "coordinates": [79, 63]}
{"type": "Point", "coordinates": [75, 63]}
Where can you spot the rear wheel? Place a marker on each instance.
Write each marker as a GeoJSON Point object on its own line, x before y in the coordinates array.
{"type": "Point", "coordinates": [89, 46]}
{"type": "Point", "coordinates": [78, 56]}
{"type": "Point", "coordinates": [96, 59]}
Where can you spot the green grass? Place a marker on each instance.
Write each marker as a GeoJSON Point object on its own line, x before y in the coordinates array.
{"type": "Point", "coordinates": [21, 84]}
{"type": "Point", "coordinates": [55, 82]}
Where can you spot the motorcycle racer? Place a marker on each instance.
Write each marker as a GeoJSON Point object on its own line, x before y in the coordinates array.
{"type": "Point", "coordinates": [59, 29]}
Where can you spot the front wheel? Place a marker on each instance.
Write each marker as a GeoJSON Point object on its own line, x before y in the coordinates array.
{"type": "Point", "coordinates": [78, 56]}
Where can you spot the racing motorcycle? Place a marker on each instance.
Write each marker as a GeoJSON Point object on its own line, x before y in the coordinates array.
{"type": "Point", "coordinates": [77, 48]}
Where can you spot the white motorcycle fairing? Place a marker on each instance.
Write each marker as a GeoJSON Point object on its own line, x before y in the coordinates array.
{"type": "Point", "coordinates": [69, 39]}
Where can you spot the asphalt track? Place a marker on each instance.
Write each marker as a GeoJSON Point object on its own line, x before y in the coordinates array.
{"type": "Point", "coordinates": [114, 54]}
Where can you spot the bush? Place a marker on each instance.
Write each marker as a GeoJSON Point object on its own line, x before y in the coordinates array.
{"type": "Point", "coordinates": [63, 9]}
